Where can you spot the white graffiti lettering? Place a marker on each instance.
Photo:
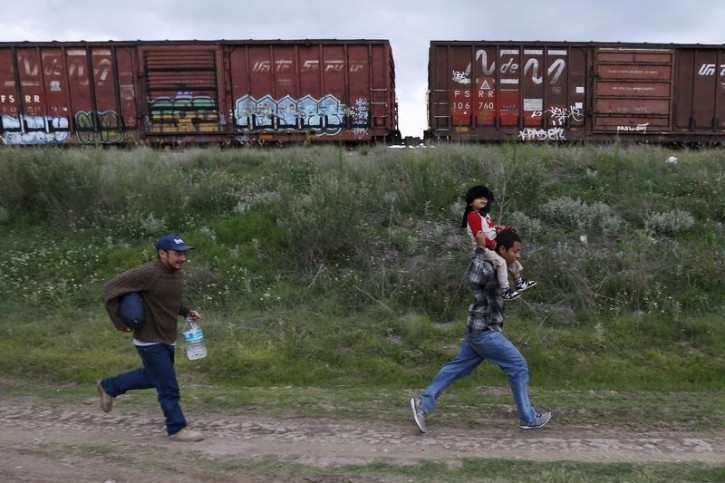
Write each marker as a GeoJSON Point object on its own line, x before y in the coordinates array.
{"type": "Point", "coordinates": [561, 114]}
{"type": "Point", "coordinates": [554, 70]}
{"type": "Point", "coordinates": [509, 67]}
{"type": "Point", "coordinates": [552, 134]}
{"type": "Point", "coordinates": [461, 77]}
{"type": "Point", "coordinates": [34, 129]}
{"type": "Point", "coordinates": [638, 128]}
{"type": "Point", "coordinates": [360, 116]}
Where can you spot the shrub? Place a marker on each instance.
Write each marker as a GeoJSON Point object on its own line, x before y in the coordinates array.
{"type": "Point", "coordinates": [672, 222]}
{"type": "Point", "coordinates": [574, 215]}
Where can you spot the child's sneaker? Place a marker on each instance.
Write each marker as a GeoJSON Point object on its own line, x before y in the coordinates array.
{"type": "Point", "coordinates": [509, 294]}
{"type": "Point", "coordinates": [524, 284]}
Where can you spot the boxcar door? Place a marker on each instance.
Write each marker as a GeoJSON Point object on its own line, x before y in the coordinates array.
{"type": "Point", "coordinates": [181, 88]}
{"type": "Point", "coordinates": [700, 87]}
{"type": "Point", "coordinates": [632, 91]}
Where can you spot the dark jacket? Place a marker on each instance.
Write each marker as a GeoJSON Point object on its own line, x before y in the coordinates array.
{"type": "Point", "coordinates": [162, 291]}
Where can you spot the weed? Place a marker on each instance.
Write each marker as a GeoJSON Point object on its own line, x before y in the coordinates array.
{"type": "Point", "coordinates": [316, 263]}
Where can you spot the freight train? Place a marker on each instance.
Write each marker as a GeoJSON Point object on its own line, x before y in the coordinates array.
{"type": "Point", "coordinates": [567, 91]}
{"type": "Point", "coordinates": [246, 92]}
{"type": "Point", "coordinates": [197, 92]}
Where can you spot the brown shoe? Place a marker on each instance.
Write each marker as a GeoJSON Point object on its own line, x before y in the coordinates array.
{"type": "Point", "coordinates": [105, 400]}
{"type": "Point", "coordinates": [187, 436]}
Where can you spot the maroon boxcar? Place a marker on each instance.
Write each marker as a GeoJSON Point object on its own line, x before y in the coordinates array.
{"type": "Point", "coordinates": [177, 92]}
{"type": "Point", "coordinates": [561, 91]}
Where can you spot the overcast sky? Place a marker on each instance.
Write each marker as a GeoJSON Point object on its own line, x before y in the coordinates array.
{"type": "Point", "coordinates": [409, 25]}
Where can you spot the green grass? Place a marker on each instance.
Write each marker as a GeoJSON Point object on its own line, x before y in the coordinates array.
{"type": "Point", "coordinates": [327, 346]}
{"type": "Point", "coordinates": [322, 267]}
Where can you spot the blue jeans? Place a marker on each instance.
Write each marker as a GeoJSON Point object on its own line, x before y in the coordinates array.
{"type": "Point", "coordinates": [475, 349]}
{"type": "Point", "coordinates": [157, 371]}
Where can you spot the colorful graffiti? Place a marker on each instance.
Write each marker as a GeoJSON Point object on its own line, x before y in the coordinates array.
{"type": "Point", "coordinates": [306, 114]}
{"type": "Point", "coordinates": [184, 113]}
{"type": "Point", "coordinates": [109, 130]}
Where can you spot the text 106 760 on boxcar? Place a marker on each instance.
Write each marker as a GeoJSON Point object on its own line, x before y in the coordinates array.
{"type": "Point", "coordinates": [563, 91]}
{"type": "Point", "coordinates": [180, 92]}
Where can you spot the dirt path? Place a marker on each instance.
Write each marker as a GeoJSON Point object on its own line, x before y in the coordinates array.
{"type": "Point", "coordinates": [79, 443]}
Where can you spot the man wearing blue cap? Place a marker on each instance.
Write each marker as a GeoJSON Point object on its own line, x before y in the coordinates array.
{"type": "Point", "coordinates": [160, 285]}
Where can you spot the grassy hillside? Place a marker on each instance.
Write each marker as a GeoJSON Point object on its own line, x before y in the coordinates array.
{"type": "Point", "coordinates": [324, 266]}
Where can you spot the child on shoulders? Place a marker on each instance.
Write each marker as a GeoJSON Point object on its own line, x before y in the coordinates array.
{"type": "Point", "coordinates": [483, 230]}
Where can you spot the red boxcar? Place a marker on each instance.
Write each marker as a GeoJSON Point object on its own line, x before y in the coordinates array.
{"type": "Point", "coordinates": [561, 91]}
{"type": "Point", "coordinates": [176, 92]}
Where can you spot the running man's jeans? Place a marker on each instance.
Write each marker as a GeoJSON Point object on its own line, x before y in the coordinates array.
{"type": "Point", "coordinates": [157, 371]}
{"type": "Point", "coordinates": [475, 349]}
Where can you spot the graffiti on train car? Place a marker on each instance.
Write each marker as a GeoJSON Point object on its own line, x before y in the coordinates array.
{"type": "Point", "coordinates": [34, 129]}
{"type": "Point", "coordinates": [324, 116]}
{"type": "Point", "coordinates": [642, 127]}
{"type": "Point", "coordinates": [560, 115]}
{"type": "Point", "coordinates": [494, 88]}
{"type": "Point", "coordinates": [107, 131]}
{"type": "Point", "coordinates": [53, 66]}
{"type": "Point", "coordinates": [532, 67]}
{"type": "Point", "coordinates": [360, 116]}
{"type": "Point", "coordinates": [184, 113]}
{"type": "Point", "coordinates": [534, 134]}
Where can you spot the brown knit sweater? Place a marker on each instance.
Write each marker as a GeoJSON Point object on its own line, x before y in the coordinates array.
{"type": "Point", "coordinates": [161, 289]}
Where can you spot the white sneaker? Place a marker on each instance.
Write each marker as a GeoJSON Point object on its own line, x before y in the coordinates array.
{"type": "Point", "coordinates": [509, 294]}
{"type": "Point", "coordinates": [525, 284]}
